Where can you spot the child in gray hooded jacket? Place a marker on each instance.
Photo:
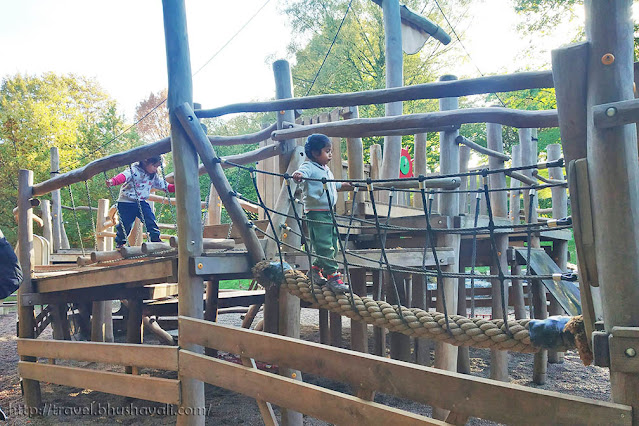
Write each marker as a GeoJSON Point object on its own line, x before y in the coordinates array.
{"type": "Point", "coordinates": [323, 235]}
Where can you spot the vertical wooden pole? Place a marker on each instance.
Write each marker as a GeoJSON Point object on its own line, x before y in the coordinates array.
{"type": "Point", "coordinates": [284, 307]}
{"type": "Point", "coordinates": [528, 141]}
{"type": "Point", "coordinates": [499, 205]}
{"type": "Point", "coordinates": [56, 204]}
{"type": "Point", "coordinates": [422, 346]}
{"type": "Point", "coordinates": [188, 203]}
{"type": "Point", "coordinates": [379, 333]}
{"type": "Point", "coordinates": [399, 343]}
{"type": "Point", "coordinates": [463, 354]}
{"type": "Point", "coordinates": [210, 308]}
{"type": "Point", "coordinates": [134, 327]}
{"type": "Point", "coordinates": [215, 207]}
{"type": "Point", "coordinates": [420, 166]}
{"type": "Point", "coordinates": [446, 354]}
{"type": "Point", "coordinates": [614, 178]}
{"type": "Point", "coordinates": [47, 229]}
{"type": "Point", "coordinates": [102, 319]}
{"type": "Point", "coordinates": [26, 329]}
{"type": "Point", "coordinates": [394, 78]}
{"type": "Point", "coordinates": [517, 289]}
{"type": "Point", "coordinates": [560, 247]}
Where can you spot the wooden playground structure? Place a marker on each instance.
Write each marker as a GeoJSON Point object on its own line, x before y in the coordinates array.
{"type": "Point", "coordinates": [397, 235]}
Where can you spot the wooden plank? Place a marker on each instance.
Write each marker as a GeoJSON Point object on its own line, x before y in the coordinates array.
{"type": "Point", "coordinates": [166, 391]}
{"type": "Point", "coordinates": [150, 356]}
{"type": "Point", "coordinates": [139, 272]}
{"type": "Point", "coordinates": [400, 257]}
{"type": "Point", "coordinates": [222, 231]}
{"type": "Point", "coordinates": [321, 403]}
{"type": "Point", "coordinates": [475, 396]}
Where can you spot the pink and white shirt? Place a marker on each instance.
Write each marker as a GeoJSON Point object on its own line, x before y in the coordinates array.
{"type": "Point", "coordinates": [137, 186]}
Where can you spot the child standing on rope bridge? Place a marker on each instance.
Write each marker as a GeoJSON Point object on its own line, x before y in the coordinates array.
{"type": "Point", "coordinates": [138, 181]}
{"type": "Point", "coordinates": [323, 235]}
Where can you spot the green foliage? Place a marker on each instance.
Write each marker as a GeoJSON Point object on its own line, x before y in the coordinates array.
{"type": "Point", "coordinates": [70, 112]}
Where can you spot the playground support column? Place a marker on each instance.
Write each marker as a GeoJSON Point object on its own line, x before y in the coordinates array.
{"type": "Point", "coordinates": [394, 78]}
{"type": "Point", "coordinates": [59, 235]}
{"type": "Point", "coordinates": [31, 388]}
{"type": "Point", "coordinates": [463, 353]}
{"type": "Point", "coordinates": [445, 354]}
{"type": "Point", "coordinates": [560, 247]}
{"type": "Point", "coordinates": [282, 309]}
{"type": "Point", "coordinates": [528, 142]}
{"type": "Point", "coordinates": [614, 178]}
{"type": "Point", "coordinates": [187, 195]}
{"type": "Point", "coordinates": [499, 205]}
{"type": "Point", "coordinates": [419, 161]}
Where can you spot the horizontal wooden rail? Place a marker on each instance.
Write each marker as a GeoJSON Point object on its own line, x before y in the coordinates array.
{"type": "Point", "coordinates": [474, 396]}
{"type": "Point", "coordinates": [461, 140]}
{"type": "Point", "coordinates": [435, 90]}
{"type": "Point", "coordinates": [166, 391]}
{"type": "Point", "coordinates": [522, 178]}
{"type": "Point", "coordinates": [442, 183]}
{"type": "Point", "coordinates": [132, 155]}
{"type": "Point", "coordinates": [150, 356]}
{"type": "Point", "coordinates": [315, 401]}
{"type": "Point", "coordinates": [550, 181]}
{"type": "Point", "coordinates": [253, 208]}
{"type": "Point", "coordinates": [356, 126]}
{"type": "Point", "coordinates": [250, 138]}
{"type": "Point", "coordinates": [616, 113]}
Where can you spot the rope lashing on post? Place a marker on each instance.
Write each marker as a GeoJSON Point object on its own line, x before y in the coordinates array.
{"type": "Point", "coordinates": [526, 336]}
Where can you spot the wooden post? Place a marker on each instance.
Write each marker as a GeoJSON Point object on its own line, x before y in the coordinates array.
{"type": "Point", "coordinates": [47, 228]}
{"type": "Point", "coordinates": [446, 354]}
{"type": "Point", "coordinates": [560, 247]}
{"type": "Point", "coordinates": [463, 354]}
{"type": "Point", "coordinates": [394, 78]}
{"type": "Point", "coordinates": [134, 326]}
{"type": "Point", "coordinates": [286, 306]}
{"type": "Point", "coordinates": [190, 287]}
{"type": "Point", "coordinates": [26, 329]}
{"type": "Point", "coordinates": [464, 157]}
{"type": "Point", "coordinates": [399, 343]}
{"type": "Point", "coordinates": [420, 165]}
{"type": "Point", "coordinates": [528, 142]}
{"type": "Point", "coordinates": [569, 65]}
{"type": "Point", "coordinates": [56, 203]}
{"type": "Point", "coordinates": [102, 321]}
{"type": "Point", "coordinates": [514, 211]}
{"type": "Point", "coordinates": [422, 346]}
{"type": "Point", "coordinates": [499, 205]}
{"type": "Point", "coordinates": [379, 333]}
{"type": "Point", "coordinates": [614, 178]}
{"type": "Point", "coordinates": [210, 310]}
{"type": "Point", "coordinates": [215, 207]}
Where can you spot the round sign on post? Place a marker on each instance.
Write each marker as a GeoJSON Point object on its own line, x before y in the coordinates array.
{"type": "Point", "coordinates": [405, 164]}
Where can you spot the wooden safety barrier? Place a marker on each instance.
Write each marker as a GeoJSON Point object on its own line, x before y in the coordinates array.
{"type": "Point", "coordinates": [156, 389]}
{"type": "Point", "coordinates": [464, 395]}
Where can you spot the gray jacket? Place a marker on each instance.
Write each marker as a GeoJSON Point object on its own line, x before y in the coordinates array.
{"type": "Point", "coordinates": [314, 194]}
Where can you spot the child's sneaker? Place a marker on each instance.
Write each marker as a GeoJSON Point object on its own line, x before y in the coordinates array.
{"type": "Point", "coordinates": [336, 284]}
{"type": "Point", "coordinates": [317, 277]}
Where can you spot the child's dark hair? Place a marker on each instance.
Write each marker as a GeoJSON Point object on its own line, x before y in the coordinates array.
{"type": "Point", "coordinates": [315, 142]}
{"type": "Point", "coordinates": [156, 159]}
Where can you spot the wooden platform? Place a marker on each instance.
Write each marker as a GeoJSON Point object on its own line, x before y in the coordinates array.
{"type": "Point", "coordinates": [226, 299]}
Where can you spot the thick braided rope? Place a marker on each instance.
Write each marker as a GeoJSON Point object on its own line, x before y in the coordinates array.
{"type": "Point", "coordinates": [476, 332]}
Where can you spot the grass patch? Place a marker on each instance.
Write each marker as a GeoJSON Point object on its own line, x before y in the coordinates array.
{"type": "Point", "coordinates": [235, 284]}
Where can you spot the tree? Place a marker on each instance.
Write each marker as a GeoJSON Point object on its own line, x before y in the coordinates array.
{"type": "Point", "coordinates": [70, 112]}
{"type": "Point", "coordinates": [152, 117]}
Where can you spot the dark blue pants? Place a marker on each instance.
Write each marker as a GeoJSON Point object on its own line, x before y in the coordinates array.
{"type": "Point", "coordinates": [128, 212]}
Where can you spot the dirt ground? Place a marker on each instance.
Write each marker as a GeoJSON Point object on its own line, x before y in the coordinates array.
{"type": "Point", "coordinates": [65, 405]}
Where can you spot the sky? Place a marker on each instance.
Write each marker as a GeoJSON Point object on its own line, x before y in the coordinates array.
{"type": "Point", "coordinates": [121, 44]}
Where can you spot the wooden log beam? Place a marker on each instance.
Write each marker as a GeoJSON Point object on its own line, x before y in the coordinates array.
{"type": "Point", "coordinates": [461, 140]}
{"type": "Point", "coordinates": [615, 114]}
{"type": "Point", "coordinates": [351, 128]}
{"type": "Point", "coordinates": [209, 243]}
{"type": "Point", "coordinates": [434, 90]}
{"type": "Point", "coordinates": [247, 139]}
{"type": "Point", "coordinates": [190, 124]}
